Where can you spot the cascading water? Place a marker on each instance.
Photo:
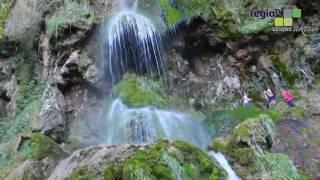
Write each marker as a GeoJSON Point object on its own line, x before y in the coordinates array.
{"type": "Point", "coordinates": [148, 124]}
{"type": "Point", "coordinates": [132, 42]}
{"type": "Point", "coordinates": [224, 164]}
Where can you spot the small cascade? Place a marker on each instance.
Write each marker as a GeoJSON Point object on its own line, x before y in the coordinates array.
{"type": "Point", "coordinates": [131, 41]}
{"type": "Point", "coordinates": [224, 164]}
{"type": "Point", "coordinates": [148, 124]}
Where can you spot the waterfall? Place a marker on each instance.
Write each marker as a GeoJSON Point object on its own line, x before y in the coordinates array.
{"type": "Point", "coordinates": [224, 164]}
{"type": "Point", "coordinates": [132, 42]}
{"type": "Point", "coordinates": [148, 124]}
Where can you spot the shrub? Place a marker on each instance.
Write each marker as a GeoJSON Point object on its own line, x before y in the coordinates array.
{"type": "Point", "coordinates": [70, 12]}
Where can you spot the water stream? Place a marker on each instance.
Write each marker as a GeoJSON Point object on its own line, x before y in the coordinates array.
{"type": "Point", "coordinates": [224, 164]}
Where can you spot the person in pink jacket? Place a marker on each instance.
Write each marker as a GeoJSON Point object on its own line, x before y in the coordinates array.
{"type": "Point", "coordinates": [288, 98]}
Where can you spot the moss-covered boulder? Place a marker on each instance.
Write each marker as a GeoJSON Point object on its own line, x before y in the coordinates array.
{"type": "Point", "coordinates": [138, 91]}
{"type": "Point", "coordinates": [40, 146]}
{"type": "Point", "coordinates": [161, 160]}
{"type": "Point", "coordinates": [248, 147]}
{"type": "Point", "coordinates": [177, 160]}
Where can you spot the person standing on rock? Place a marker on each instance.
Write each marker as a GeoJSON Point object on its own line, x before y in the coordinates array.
{"type": "Point", "coordinates": [270, 97]}
{"type": "Point", "coordinates": [288, 98]}
{"type": "Point", "coordinates": [247, 101]}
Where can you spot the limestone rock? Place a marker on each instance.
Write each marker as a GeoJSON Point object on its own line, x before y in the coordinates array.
{"type": "Point", "coordinates": [28, 170]}
{"type": "Point", "coordinates": [51, 120]}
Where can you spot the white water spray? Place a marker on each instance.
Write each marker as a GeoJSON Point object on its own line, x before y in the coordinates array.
{"type": "Point", "coordinates": [225, 165]}
{"type": "Point", "coordinates": [148, 124]}
{"type": "Point", "coordinates": [132, 42]}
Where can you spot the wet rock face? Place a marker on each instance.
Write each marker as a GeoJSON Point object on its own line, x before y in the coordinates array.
{"type": "Point", "coordinates": [207, 80]}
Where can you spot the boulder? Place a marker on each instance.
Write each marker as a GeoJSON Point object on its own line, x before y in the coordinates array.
{"type": "Point", "coordinates": [51, 119]}
{"type": "Point", "coordinates": [163, 159]}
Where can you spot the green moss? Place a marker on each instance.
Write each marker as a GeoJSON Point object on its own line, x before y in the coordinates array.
{"type": "Point", "coordinates": [183, 161]}
{"type": "Point", "coordinates": [172, 14]}
{"type": "Point", "coordinates": [220, 122]}
{"type": "Point", "coordinates": [297, 112]}
{"type": "Point", "coordinates": [82, 173]}
{"type": "Point", "coordinates": [5, 7]}
{"type": "Point", "coordinates": [40, 146]}
{"type": "Point", "coordinates": [136, 92]}
{"type": "Point", "coordinates": [274, 114]}
{"type": "Point", "coordinates": [282, 68]}
{"type": "Point", "coordinates": [219, 145]}
{"type": "Point", "coordinates": [304, 176]}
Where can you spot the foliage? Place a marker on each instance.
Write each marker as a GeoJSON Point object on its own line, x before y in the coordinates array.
{"type": "Point", "coordinates": [26, 104]}
{"type": "Point", "coordinates": [172, 14]}
{"type": "Point", "coordinates": [139, 91]}
{"type": "Point", "coordinates": [82, 173]}
{"type": "Point", "coordinates": [70, 12]}
{"type": "Point", "coordinates": [220, 122]}
{"type": "Point", "coordinates": [232, 16]}
{"type": "Point", "coordinates": [5, 6]}
{"type": "Point", "coordinates": [279, 166]}
{"type": "Point", "coordinates": [184, 162]}
{"type": "Point", "coordinates": [282, 68]}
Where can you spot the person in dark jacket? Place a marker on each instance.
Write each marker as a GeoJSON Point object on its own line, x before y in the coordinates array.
{"type": "Point", "coordinates": [270, 97]}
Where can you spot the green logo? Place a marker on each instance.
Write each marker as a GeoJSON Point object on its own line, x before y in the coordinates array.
{"type": "Point", "coordinates": [288, 16]}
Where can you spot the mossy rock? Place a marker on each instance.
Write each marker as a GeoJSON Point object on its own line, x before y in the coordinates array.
{"type": "Point", "coordinates": [165, 160]}
{"type": "Point", "coordinates": [83, 173]}
{"type": "Point", "coordinates": [221, 122]}
{"type": "Point", "coordinates": [40, 146]}
{"type": "Point", "coordinates": [246, 141]}
{"type": "Point", "coordinates": [283, 69]}
{"type": "Point", "coordinates": [137, 91]}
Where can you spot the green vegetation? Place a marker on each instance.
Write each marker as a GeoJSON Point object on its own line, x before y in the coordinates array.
{"type": "Point", "coordinates": [82, 173]}
{"type": "Point", "coordinates": [246, 142]}
{"type": "Point", "coordinates": [304, 176]}
{"type": "Point", "coordinates": [5, 6]}
{"type": "Point", "coordinates": [220, 122]}
{"type": "Point", "coordinates": [172, 14]}
{"type": "Point", "coordinates": [282, 68]}
{"type": "Point", "coordinates": [249, 145]}
{"type": "Point", "coordinates": [137, 91]}
{"type": "Point", "coordinates": [25, 103]}
{"type": "Point", "coordinates": [279, 166]}
{"type": "Point", "coordinates": [232, 16]}
{"type": "Point", "coordinates": [184, 161]}
{"type": "Point", "coordinates": [69, 13]}
{"type": "Point", "coordinates": [40, 146]}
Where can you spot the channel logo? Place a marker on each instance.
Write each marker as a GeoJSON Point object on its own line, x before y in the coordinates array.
{"type": "Point", "coordinates": [288, 16]}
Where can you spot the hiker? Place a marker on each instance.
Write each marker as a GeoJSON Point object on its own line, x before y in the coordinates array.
{"type": "Point", "coordinates": [270, 97]}
{"type": "Point", "coordinates": [288, 98]}
{"type": "Point", "coordinates": [247, 101]}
